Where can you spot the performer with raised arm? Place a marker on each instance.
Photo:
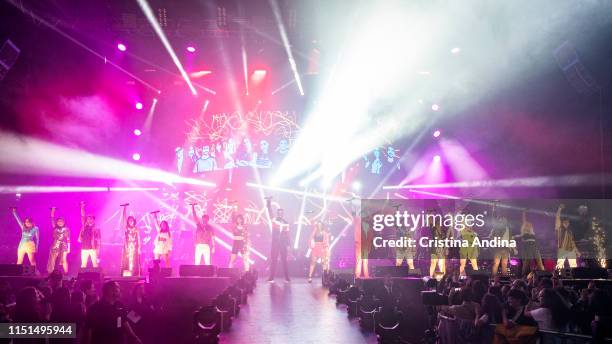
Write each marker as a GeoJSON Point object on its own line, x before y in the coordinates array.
{"type": "Point", "coordinates": [241, 242]}
{"type": "Point", "coordinates": [280, 240]}
{"type": "Point", "coordinates": [89, 238]}
{"type": "Point", "coordinates": [529, 246]}
{"type": "Point", "coordinates": [566, 246]}
{"type": "Point", "coordinates": [319, 245]}
{"type": "Point", "coordinates": [30, 237]}
{"type": "Point", "coordinates": [130, 257]}
{"type": "Point", "coordinates": [204, 238]}
{"type": "Point", "coordinates": [163, 241]}
{"type": "Point", "coordinates": [61, 243]}
{"type": "Point", "coordinates": [500, 230]}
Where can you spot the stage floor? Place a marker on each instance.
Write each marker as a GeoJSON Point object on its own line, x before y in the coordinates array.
{"type": "Point", "coordinates": [297, 312]}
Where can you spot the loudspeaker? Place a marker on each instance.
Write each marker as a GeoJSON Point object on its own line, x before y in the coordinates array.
{"type": "Point", "coordinates": [197, 270]}
{"type": "Point", "coordinates": [396, 271]}
{"type": "Point", "coordinates": [92, 274]}
{"type": "Point", "coordinates": [163, 272]}
{"type": "Point", "coordinates": [589, 273]}
{"type": "Point", "coordinates": [17, 270]}
{"type": "Point", "coordinates": [481, 275]}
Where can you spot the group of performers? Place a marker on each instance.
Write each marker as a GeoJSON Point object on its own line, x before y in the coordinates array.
{"type": "Point", "coordinates": [530, 254]}
{"type": "Point", "coordinates": [319, 244]}
{"type": "Point", "coordinates": [204, 241]}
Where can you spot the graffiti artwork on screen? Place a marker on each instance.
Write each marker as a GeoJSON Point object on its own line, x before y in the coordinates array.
{"type": "Point", "coordinates": [225, 141]}
{"type": "Point", "coordinates": [259, 139]}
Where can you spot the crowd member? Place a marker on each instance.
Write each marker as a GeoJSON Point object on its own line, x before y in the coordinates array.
{"type": "Point", "coordinates": [552, 313]}
{"type": "Point", "coordinates": [106, 320]}
{"type": "Point", "coordinates": [467, 309]}
{"type": "Point", "coordinates": [489, 312]}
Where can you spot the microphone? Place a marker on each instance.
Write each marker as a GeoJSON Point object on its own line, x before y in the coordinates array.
{"type": "Point", "coordinates": [124, 205]}
{"type": "Point", "coordinates": [193, 204]}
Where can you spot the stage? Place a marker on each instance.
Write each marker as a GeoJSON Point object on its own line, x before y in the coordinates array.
{"type": "Point", "coordinates": [296, 312]}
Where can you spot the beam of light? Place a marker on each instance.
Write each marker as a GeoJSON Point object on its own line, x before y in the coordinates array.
{"type": "Point", "coordinates": [28, 189]}
{"type": "Point", "coordinates": [530, 182]}
{"type": "Point", "coordinates": [297, 192]}
{"type": "Point", "coordinates": [30, 156]}
{"type": "Point", "coordinates": [296, 242]}
{"type": "Point", "coordinates": [486, 202]}
{"type": "Point", "coordinates": [342, 232]}
{"type": "Point", "coordinates": [286, 44]}
{"type": "Point", "coordinates": [283, 86]}
{"type": "Point", "coordinates": [199, 74]}
{"type": "Point", "coordinates": [149, 120]}
{"type": "Point", "coordinates": [28, 12]}
{"type": "Point", "coordinates": [462, 164]}
{"type": "Point", "coordinates": [146, 9]}
{"type": "Point", "coordinates": [245, 69]}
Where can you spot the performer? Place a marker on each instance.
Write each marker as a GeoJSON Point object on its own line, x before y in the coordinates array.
{"type": "Point", "coordinates": [280, 240]}
{"type": "Point", "coordinates": [130, 257]}
{"type": "Point", "coordinates": [529, 247]}
{"type": "Point", "coordinates": [61, 243]}
{"type": "Point", "coordinates": [501, 230]}
{"type": "Point", "coordinates": [362, 249]}
{"type": "Point", "coordinates": [241, 242]}
{"type": "Point", "coordinates": [163, 241]}
{"type": "Point", "coordinates": [469, 252]}
{"type": "Point", "coordinates": [29, 239]}
{"type": "Point", "coordinates": [204, 238]}
{"type": "Point", "coordinates": [406, 253]}
{"type": "Point", "coordinates": [89, 238]}
{"type": "Point", "coordinates": [566, 246]}
{"type": "Point", "coordinates": [438, 254]}
{"type": "Point", "coordinates": [319, 245]}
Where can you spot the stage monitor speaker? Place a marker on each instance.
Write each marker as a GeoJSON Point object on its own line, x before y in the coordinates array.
{"type": "Point", "coordinates": [17, 270]}
{"type": "Point", "coordinates": [481, 275]}
{"type": "Point", "coordinates": [589, 273]}
{"type": "Point", "coordinates": [197, 270]}
{"type": "Point", "coordinates": [163, 272]}
{"type": "Point", "coordinates": [396, 271]}
{"type": "Point", "coordinates": [93, 274]}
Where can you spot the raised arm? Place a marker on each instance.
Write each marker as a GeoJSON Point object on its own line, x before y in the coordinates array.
{"type": "Point", "coordinates": [53, 217]}
{"type": "Point", "coordinates": [157, 225]}
{"type": "Point", "coordinates": [14, 211]}
{"type": "Point", "coordinates": [195, 215]}
{"type": "Point", "coordinates": [558, 216]}
{"type": "Point", "coordinates": [124, 215]}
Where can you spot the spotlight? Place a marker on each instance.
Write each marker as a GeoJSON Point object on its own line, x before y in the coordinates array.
{"type": "Point", "coordinates": [121, 47]}
{"type": "Point", "coordinates": [436, 133]}
{"type": "Point", "coordinates": [455, 50]}
{"type": "Point", "coordinates": [139, 106]}
{"type": "Point", "coordinates": [191, 49]}
{"type": "Point", "coordinates": [435, 107]}
{"type": "Point", "coordinates": [136, 156]}
{"type": "Point", "coordinates": [259, 101]}
{"type": "Point", "coordinates": [259, 72]}
{"type": "Point", "coordinates": [436, 158]}
{"type": "Point", "coordinates": [137, 132]}
{"type": "Point", "coordinates": [356, 185]}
